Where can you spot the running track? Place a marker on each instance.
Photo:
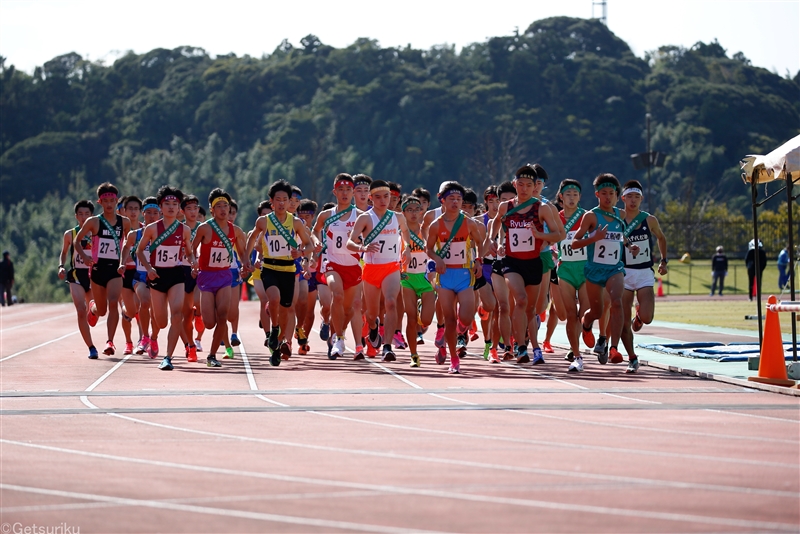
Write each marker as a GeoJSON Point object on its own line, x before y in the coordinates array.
{"type": "Point", "coordinates": [314, 445]}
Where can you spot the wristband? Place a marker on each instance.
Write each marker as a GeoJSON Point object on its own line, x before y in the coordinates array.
{"type": "Point", "coordinates": [61, 266]}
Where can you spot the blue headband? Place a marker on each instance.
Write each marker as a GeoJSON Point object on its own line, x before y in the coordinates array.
{"type": "Point", "coordinates": [148, 206]}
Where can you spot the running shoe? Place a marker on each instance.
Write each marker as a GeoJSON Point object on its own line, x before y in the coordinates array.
{"type": "Point", "coordinates": [601, 345]}
{"type": "Point", "coordinates": [493, 356]}
{"type": "Point", "coordinates": [633, 366]}
{"type": "Point", "coordinates": [330, 348]}
{"type": "Point", "coordinates": [439, 341]}
{"type": "Point", "coordinates": [286, 351]}
{"type": "Point", "coordinates": [152, 350]}
{"type": "Point", "coordinates": [229, 355]}
{"type": "Point", "coordinates": [374, 336]}
{"type": "Point", "coordinates": [91, 317]}
{"type": "Point", "coordinates": [338, 346]}
{"type": "Point", "coordinates": [483, 314]}
{"type": "Point", "coordinates": [273, 341]}
{"type": "Point", "coordinates": [128, 348]}
{"type": "Point", "coordinates": [508, 354]}
{"type": "Point", "coordinates": [441, 356]}
{"type": "Point", "coordinates": [303, 349]}
{"type": "Point", "coordinates": [538, 359]}
{"type": "Point", "coordinates": [570, 357]}
{"type": "Point", "coordinates": [576, 366]}
{"type": "Point", "coordinates": [141, 348]}
{"type": "Point", "coordinates": [235, 341]}
{"type": "Point", "coordinates": [614, 356]}
{"type": "Point", "coordinates": [324, 331]}
{"type": "Point", "coordinates": [191, 353]}
{"type": "Point", "coordinates": [547, 348]}
{"type": "Point", "coordinates": [198, 346]}
{"type": "Point", "coordinates": [166, 364]}
{"type": "Point", "coordinates": [212, 361]}
{"type": "Point", "coordinates": [473, 335]}
{"type": "Point", "coordinates": [399, 341]}
{"type": "Point", "coordinates": [110, 348]}
{"type": "Point", "coordinates": [603, 358]}
{"type": "Point", "coordinates": [275, 358]}
{"type": "Point", "coordinates": [359, 354]}
{"type": "Point", "coordinates": [455, 366]}
{"type": "Point", "coordinates": [461, 341]}
{"type": "Point", "coordinates": [420, 339]}
{"type": "Point", "coordinates": [388, 354]}
{"type": "Point", "coordinates": [415, 360]}
{"type": "Point", "coordinates": [371, 351]}
{"type": "Point", "coordinates": [522, 355]}
{"type": "Point", "coordinates": [487, 347]}
{"type": "Point", "coordinates": [636, 324]}
{"type": "Point", "coordinates": [588, 336]}
{"type": "Point", "coordinates": [198, 323]}
{"type": "Point", "coordinates": [92, 353]}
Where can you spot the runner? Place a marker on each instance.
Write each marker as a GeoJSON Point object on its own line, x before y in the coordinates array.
{"type": "Point", "coordinates": [414, 282]}
{"type": "Point", "coordinates": [236, 283]}
{"type": "Point", "coordinates": [385, 235]}
{"type": "Point", "coordinates": [601, 229]}
{"type": "Point", "coordinates": [132, 209]}
{"type": "Point", "coordinates": [280, 230]}
{"type": "Point", "coordinates": [264, 208]}
{"type": "Point", "coordinates": [523, 220]}
{"type": "Point", "coordinates": [166, 240]}
{"type": "Point", "coordinates": [488, 306]}
{"type": "Point", "coordinates": [149, 340]}
{"type": "Point", "coordinates": [106, 282]}
{"type": "Point", "coordinates": [450, 245]}
{"type": "Point", "coordinates": [218, 237]}
{"type": "Point", "coordinates": [77, 273]}
{"type": "Point", "coordinates": [305, 305]}
{"type": "Point", "coordinates": [190, 206]}
{"type": "Point", "coordinates": [641, 228]}
{"type": "Point", "coordinates": [571, 278]}
{"type": "Point", "coordinates": [342, 269]}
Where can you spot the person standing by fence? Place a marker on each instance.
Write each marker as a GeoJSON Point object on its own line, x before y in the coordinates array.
{"type": "Point", "coordinates": [750, 262]}
{"type": "Point", "coordinates": [719, 270]}
{"type": "Point", "coordinates": [6, 278]}
{"type": "Point", "coordinates": [783, 268]}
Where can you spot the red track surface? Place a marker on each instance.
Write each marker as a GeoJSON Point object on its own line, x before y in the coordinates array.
{"type": "Point", "coordinates": [315, 445]}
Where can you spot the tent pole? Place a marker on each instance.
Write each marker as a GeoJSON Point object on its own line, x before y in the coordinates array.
{"type": "Point", "coordinates": [789, 188]}
{"type": "Point", "coordinates": [754, 194]}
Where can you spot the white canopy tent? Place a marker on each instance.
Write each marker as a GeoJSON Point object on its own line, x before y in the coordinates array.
{"type": "Point", "coordinates": [783, 163]}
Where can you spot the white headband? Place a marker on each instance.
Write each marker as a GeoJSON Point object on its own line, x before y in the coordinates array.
{"type": "Point", "coordinates": [632, 190]}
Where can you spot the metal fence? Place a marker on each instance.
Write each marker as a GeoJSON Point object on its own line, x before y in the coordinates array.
{"type": "Point", "coordinates": [695, 279]}
{"type": "Point", "coordinates": [700, 239]}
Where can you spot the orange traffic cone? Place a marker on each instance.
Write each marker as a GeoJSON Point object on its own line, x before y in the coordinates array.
{"type": "Point", "coordinates": [660, 292]}
{"type": "Point", "coordinates": [772, 364]}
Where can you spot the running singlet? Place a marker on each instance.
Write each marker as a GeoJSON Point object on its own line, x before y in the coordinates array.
{"type": "Point", "coordinates": [132, 261]}
{"type": "Point", "coordinates": [77, 259]}
{"type": "Point", "coordinates": [185, 261]}
{"type": "Point", "coordinates": [276, 249]}
{"type": "Point", "coordinates": [336, 235]}
{"type": "Point", "coordinates": [520, 243]}
{"type": "Point", "coordinates": [139, 267]}
{"type": "Point", "coordinates": [214, 255]}
{"type": "Point", "coordinates": [459, 256]}
{"type": "Point", "coordinates": [565, 250]}
{"type": "Point", "coordinates": [170, 252]}
{"type": "Point", "coordinates": [644, 259]}
{"type": "Point", "coordinates": [104, 246]}
{"type": "Point", "coordinates": [388, 240]}
{"type": "Point", "coordinates": [486, 220]}
{"type": "Point", "coordinates": [607, 251]}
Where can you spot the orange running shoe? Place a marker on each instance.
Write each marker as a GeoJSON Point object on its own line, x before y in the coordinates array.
{"type": "Point", "coordinates": [614, 356]}
{"type": "Point", "coordinates": [371, 351]}
{"type": "Point", "coordinates": [636, 324]}
{"type": "Point", "coordinates": [547, 347]}
{"type": "Point", "coordinates": [588, 337]}
{"type": "Point", "coordinates": [191, 353]}
{"type": "Point", "coordinates": [91, 316]}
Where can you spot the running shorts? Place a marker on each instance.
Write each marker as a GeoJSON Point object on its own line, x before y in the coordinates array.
{"type": "Point", "coordinates": [530, 270]}
{"type": "Point", "coordinates": [283, 280]}
{"type": "Point", "coordinates": [103, 273]}
{"type": "Point", "coordinates": [376, 273]}
{"type": "Point", "coordinates": [213, 281]}
{"type": "Point", "coordinates": [190, 282]}
{"type": "Point", "coordinates": [455, 279]}
{"type": "Point", "coordinates": [350, 274]}
{"type": "Point", "coordinates": [598, 274]}
{"type": "Point", "coordinates": [417, 282]}
{"type": "Point", "coordinates": [636, 279]}
{"type": "Point", "coordinates": [79, 277]}
{"type": "Point", "coordinates": [127, 279]}
{"type": "Point", "coordinates": [572, 272]}
{"type": "Point", "coordinates": [168, 277]}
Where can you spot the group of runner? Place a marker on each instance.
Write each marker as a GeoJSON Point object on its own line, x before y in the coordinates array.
{"type": "Point", "coordinates": [369, 258]}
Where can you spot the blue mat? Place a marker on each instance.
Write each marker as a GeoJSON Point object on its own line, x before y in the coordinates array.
{"type": "Point", "coordinates": [732, 352]}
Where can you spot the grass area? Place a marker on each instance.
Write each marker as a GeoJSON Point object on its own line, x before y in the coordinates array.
{"type": "Point", "coordinates": [723, 313]}
{"type": "Point", "coordinates": [695, 279]}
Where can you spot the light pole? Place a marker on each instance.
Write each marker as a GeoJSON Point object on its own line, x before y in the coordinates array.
{"type": "Point", "coordinates": [646, 160]}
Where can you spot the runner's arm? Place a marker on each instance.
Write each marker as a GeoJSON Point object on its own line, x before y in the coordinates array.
{"type": "Point", "coordinates": [241, 248]}
{"type": "Point", "coordinates": [554, 224]}
{"type": "Point", "coordinates": [588, 223]}
{"type": "Point", "coordinates": [130, 239]}
{"type": "Point", "coordinates": [62, 258]}
{"type": "Point", "coordinates": [258, 230]}
{"type": "Point", "coordinates": [358, 232]}
{"type": "Point", "coordinates": [661, 240]}
{"type": "Point", "coordinates": [188, 251]}
{"type": "Point", "coordinates": [91, 226]}
{"type": "Point", "coordinates": [148, 235]}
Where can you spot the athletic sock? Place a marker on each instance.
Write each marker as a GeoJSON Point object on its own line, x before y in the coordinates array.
{"type": "Point", "coordinates": [602, 339]}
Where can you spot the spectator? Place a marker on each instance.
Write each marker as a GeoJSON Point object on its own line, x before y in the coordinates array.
{"type": "Point", "coordinates": [6, 279]}
{"type": "Point", "coordinates": [783, 268]}
{"type": "Point", "coordinates": [719, 270]}
{"type": "Point", "coordinates": [750, 262]}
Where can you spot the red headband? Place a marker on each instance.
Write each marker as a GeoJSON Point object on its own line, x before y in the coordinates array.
{"type": "Point", "coordinates": [395, 193]}
{"type": "Point", "coordinates": [343, 182]}
{"type": "Point", "coordinates": [108, 195]}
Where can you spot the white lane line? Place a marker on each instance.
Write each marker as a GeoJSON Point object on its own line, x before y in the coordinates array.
{"type": "Point", "coordinates": [387, 488]}
{"type": "Point", "coordinates": [44, 344]}
{"type": "Point", "coordinates": [277, 518]}
{"type": "Point", "coordinates": [251, 379]}
{"type": "Point", "coordinates": [631, 398]}
{"type": "Point", "coordinates": [84, 399]}
{"type": "Point", "coordinates": [397, 376]}
{"type": "Point", "coordinates": [3, 331]}
{"type": "Point", "coordinates": [793, 421]}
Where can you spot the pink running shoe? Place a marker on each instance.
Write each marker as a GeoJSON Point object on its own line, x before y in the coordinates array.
{"type": "Point", "coordinates": [439, 341]}
{"type": "Point", "coordinates": [399, 341]}
{"type": "Point", "coordinates": [110, 348]}
{"type": "Point", "coordinates": [152, 350]}
{"type": "Point", "coordinates": [128, 348]}
{"type": "Point", "coordinates": [141, 348]}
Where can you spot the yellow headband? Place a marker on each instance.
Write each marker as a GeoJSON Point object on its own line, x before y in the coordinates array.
{"type": "Point", "coordinates": [217, 201]}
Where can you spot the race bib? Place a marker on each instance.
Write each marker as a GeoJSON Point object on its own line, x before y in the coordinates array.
{"type": "Point", "coordinates": [566, 251]}
{"type": "Point", "coordinates": [277, 247]}
{"type": "Point", "coordinates": [418, 263]}
{"type": "Point", "coordinates": [607, 251]}
{"type": "Point", "coordinates": [642, 257]}
{"type": "Point", "coordinates": [168, 256]}
{"type": "Point", "coordinates": [388, 248]}
{"type": "Point", "coordinates": [107, 248]}
{"type": "Point", "coordinates": [521, 240]}
{"type": "Point", "coordinates": [219, 258]}
{"type": "Point", "coordinates": [457, 253]}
